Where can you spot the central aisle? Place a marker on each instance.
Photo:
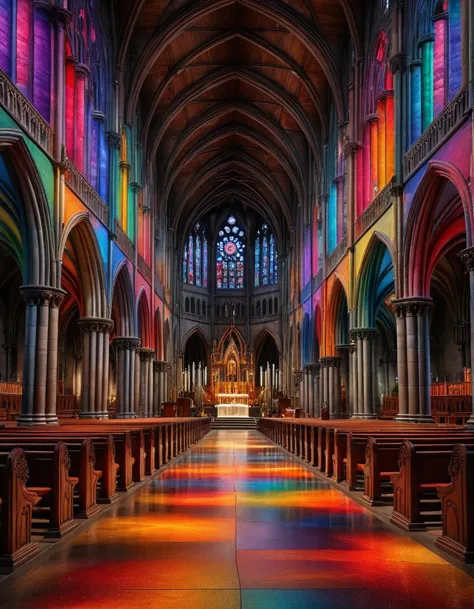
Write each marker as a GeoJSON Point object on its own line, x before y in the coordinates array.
{"type": "Point", "coordinates": [238, 523]}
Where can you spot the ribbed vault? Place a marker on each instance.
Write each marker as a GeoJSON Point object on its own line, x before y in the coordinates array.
{"type": "Point", "coordinates": [233, 98]}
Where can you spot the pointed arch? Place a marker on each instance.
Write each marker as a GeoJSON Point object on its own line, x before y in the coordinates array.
{"type": "Point", "coordinates": [337, 318]}
{"type": "Point", "coordinates": [144, 320]}
{"type": "Point", "coordinates": [376, 280]}
{"type": "Point", "coordinates": [430, 234]}
{"type": "Point", "coordinates": [38, 267]}
{"type": "Point", "coordinates": [123, 303]}
{"type": "Point", "coordinates": [83, 272]}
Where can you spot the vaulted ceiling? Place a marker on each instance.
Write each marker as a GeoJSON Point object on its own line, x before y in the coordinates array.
{"type": "Point", "coordinates": [234, 97]}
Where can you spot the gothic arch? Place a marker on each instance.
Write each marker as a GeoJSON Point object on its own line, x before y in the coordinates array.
{"type": "Point", "coordinates": [39, 267]}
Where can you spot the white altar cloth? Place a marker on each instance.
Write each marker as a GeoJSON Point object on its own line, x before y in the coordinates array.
{"type": "Point", "coordinates": [232, 410]}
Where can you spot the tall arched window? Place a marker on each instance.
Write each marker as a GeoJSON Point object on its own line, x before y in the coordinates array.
{"type": "Point", "coordinates": [230, 256]}
{"type": "Point", "coordinates": [379, 155]}
{"type": "Point", "coordinates": [195, 257]}
{"type": "Point", "coordinates": [266, 257]}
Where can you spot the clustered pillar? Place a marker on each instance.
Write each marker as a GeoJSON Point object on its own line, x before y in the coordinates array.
{"type": "Point", "coordinates": [95, 366]}
{"type": "Point", "coordinates": [126, 355]}
{"type": "Point", "coordinates": [146, 385]}
{"type": "Point", "coordinates": [331, 385]}
{"type": "Point", "coordinates": [413, 359]}
{"type": "Point", "coordinates": [40, 368]}
{"type": "Point", "coordinates": [362, 373]}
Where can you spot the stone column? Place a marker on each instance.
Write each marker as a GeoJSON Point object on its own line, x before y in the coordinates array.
{"type": "Point", "coordinates": [317, 390]}
{"type": "Point", "coordinates": [145, 406]}
{"type": "Point", "coordinates": [413, 359]}
{"type": "Point", "coordinates": [95, 366]}
{"type": "Point", "coordinates": [40, 369]}
{"type": "Point", "coordinates": [363, 339]}
{"type": "Point", "coordinates": [466, 256]}
{"type": "Point", "coordinates": [352, 401]}
{"type": "Point", "coordinates": [332, 379]}
{"type": "Point", "coordinates": [126, 347]}
{"type": "Point", "coordinates": [156, 388]}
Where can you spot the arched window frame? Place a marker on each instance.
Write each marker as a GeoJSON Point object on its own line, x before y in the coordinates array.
{"type": "Point", "coordinates": [195, 257]}
{"type": "Point", "coordinates": [230, 273]}
{"type": "Point", "coordinates": [379, 131]}
{"type": "Point", "coordinates": [265, 257]}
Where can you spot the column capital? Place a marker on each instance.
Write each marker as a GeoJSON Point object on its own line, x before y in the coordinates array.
{"type": "Point", "coordinates": [330, 361]}
{"type": "Point", "coordinates": [96, 324]}
{"type": "Point", "coordinates": [127, 343]}
{"type": "Point", "coordinates": [40, 295]}
{"type": "Point", "coordinates": [414, 305]}
{"type": "Point", "coordinates": [398, 63]}
{"type": "Point", "coordinates": [145, 354]}
{"type": "Point", "coordinates": [114, 139]}
{"type": "Point", "coordinates": [466, 258]}
{"type": "Point", "coordinates": [362, 334]}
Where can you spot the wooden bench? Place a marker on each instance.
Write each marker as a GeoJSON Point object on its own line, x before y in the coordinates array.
{"type": "Point", "coordinates": [423, 469]}
{"type": "Point", "coordinates": [381, 461]}
{"type": "Point", "coordinates": [49, 478]}
{"type": "Point", "coordinates": [16, 511]}
{"type": "Point", "coordinates": [457, 504]}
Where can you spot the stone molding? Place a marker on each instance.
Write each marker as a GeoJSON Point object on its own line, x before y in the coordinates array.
{"type": "Point", "coordinates": [362, 334]}
{"type": "Point", "coordinates": [127, 343]}
{"type": "Point", "coordinates": [96, 324]}
{"type": "Point", "coordinates": [466, 258]}
{"type": "Point", "coordinates": [413, 306]}
{"type": "Point", "coordinates": [145, 354]}
{"type": "Point", "coordinates": [330, 361]}
{"type": "Point", "coordinates": [40, 295]}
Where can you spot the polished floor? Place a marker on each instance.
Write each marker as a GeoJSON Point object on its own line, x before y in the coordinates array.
{"type": "Point", "coordinates": [236, 523]}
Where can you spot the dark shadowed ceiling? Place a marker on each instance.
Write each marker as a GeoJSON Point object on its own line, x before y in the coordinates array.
{"type": "Point", "coordinates": [234, 97]}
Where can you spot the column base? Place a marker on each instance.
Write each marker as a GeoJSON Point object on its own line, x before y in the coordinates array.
{"type": "Point", "coordinates": [334, 415]}
{"type": "Point", "coordinates": [363, 416]}
{"type": "Point", "coordinates": [29, 420]}
{"type": "Point", "coordinates": [414, 418]}
{"type": "Point", "coordinates": [126, 415]}
{"type": "Point", "coordinates": [94, 415]}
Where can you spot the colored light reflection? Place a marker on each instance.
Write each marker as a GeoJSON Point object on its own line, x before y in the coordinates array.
{"type": "Point", "coordinates": [287, 540]}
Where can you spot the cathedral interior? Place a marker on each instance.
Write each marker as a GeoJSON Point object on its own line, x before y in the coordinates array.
{"type": "Point", "coordinates": [236, 292]}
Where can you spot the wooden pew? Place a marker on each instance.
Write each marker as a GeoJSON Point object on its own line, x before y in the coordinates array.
{"type": "Point", "coordinates": [16, 509]}
{"type": "Point", "coordinates": [49, 478]}
{"type": "Point", "coordinates": [82, 457]}
{"type": "Point", "coordinates": [423, 469]}
{"type": "Point", "coordinates": [381, 460]}
{"type": "Point", "coordinates": [457, 504]}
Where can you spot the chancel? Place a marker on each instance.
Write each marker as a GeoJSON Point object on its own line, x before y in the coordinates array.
{"type": "Point", "coordinates": [236, 291]}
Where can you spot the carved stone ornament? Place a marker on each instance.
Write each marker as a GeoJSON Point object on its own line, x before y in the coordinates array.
{"type": "Point", "coordinates": [398, 63]}
{"type": "Point", "coordinates": [414, 306]}
{"type": "Point", "coordinates": [127, 343]}
{"type": "Point", "coordinates": [145, 354]}
{"type": "Point", "coordinates": [40, 295]}
{"type": "Point", "coordinates": [467, 259]}
{"type": "Point", "coordinates": [362, 334]}
{"type": "Point", "coordinates": [96, 324]}
{"type": "Point", "coordinates": [332, 361]}
{"type": "Point", "coordinates": [114, 139]}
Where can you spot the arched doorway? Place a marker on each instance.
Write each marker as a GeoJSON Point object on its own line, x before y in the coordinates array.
{"type": "Point", "coordinates": [268, 374]}
{"type": "Point", "coordinates": [195, 363]}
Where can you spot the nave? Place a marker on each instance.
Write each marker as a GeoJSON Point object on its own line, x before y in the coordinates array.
{"type": "Point", "coordinates": [238, 523]}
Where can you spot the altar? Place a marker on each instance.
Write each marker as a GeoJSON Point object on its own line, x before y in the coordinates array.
{"type": "Point", "coordinates": [232, 410]}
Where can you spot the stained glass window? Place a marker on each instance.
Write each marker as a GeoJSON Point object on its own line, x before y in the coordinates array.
{"type": "Point", "coordinates": [230, 256]}
{"type": "Point", "coordinates": [185, 264]}
{"type": "Point", "coordinates": [195, 257]}
{"type": "Point", "coordinates": [204, 263]}
{"type": "Point", "coordinates": [265, 257]}
{"type": "Point", "coordinates": [257, 262]}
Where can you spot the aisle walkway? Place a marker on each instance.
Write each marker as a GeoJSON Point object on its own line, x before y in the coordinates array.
{"type": "Point", "coordinates": [237, 523]}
